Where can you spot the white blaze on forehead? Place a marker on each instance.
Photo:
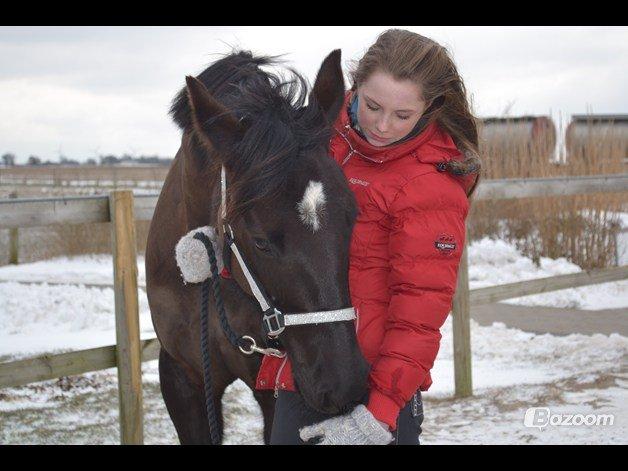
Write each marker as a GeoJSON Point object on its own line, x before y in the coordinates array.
{"type": "Point", "coordinates": [312, 205]}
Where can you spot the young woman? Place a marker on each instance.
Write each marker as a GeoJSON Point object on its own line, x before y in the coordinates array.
{"type": "Point", "coordinates": [407, 143]}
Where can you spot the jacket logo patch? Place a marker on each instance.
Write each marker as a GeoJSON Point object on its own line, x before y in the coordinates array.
{"type": "Point", "coordinates": [445, 244]}
{"type": "Point", "coordinates": [357, 181]}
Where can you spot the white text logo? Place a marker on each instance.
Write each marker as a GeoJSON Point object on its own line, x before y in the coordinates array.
{"type": "Point", "coordinates": [358, 182]}
{"type": "Point", "coordinates": [541, 417]}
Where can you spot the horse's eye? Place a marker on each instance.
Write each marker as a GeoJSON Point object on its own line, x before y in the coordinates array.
{"type": "Point", "coordinates": [262, 244]}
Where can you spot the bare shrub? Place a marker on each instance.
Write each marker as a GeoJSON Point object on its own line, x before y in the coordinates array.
{"type": "Point", "coordinates": [582, 228]}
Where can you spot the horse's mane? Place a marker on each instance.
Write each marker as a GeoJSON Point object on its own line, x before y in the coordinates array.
{"type": "Point", "coordinates": [228, 71]}
{"type": "Point", "coordinates": [279, 127]}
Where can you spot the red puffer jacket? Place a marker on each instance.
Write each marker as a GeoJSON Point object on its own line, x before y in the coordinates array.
{"type": "Point", "coordinates": [405, 250]}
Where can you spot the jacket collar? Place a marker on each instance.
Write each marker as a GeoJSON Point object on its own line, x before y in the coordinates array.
{"type": "Point", "coordinates": [432, 145]}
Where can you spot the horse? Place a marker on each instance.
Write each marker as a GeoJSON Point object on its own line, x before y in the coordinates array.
{"type": "Point", "coordinates": [291, 212]}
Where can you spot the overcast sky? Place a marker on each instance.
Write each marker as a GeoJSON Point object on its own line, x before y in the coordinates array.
{"type": "Point", "coordinates": [88, 91]}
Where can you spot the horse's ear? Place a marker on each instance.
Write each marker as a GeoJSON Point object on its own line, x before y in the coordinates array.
{"type": "Point", "coordinates": [329, 87]}
{"type": "Point", "coordinates": [214, 123]}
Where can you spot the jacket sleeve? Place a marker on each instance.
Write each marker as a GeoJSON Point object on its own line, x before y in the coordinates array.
{"type": "Point", "coordinates": [427, 237]}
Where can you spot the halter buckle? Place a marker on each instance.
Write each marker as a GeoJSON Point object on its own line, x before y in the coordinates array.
{"type": "Point", "coordinates": [273, 321]}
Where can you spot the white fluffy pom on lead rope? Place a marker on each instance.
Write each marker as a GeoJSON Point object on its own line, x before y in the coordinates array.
{"type": "Point", "coordinates": [192, 258]}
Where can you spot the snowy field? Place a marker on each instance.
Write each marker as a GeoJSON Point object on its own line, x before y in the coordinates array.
{"type": "Point", "coordinates": [512, 370]}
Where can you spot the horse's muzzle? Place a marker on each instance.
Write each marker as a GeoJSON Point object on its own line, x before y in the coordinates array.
{"type": "Point", "coordinates": [349, 390]}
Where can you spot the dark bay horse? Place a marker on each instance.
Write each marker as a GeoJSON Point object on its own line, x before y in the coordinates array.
{"type": "Point", "coordinates": [296, 241]}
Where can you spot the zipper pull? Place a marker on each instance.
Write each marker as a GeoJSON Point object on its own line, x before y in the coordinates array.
{"type": "Point", "coordinates": [347, 157]}
{"type": "Point", "coordinates": [276, 394]}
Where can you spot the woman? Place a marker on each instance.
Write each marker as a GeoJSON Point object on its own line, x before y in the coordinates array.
{"type": "Point", "coordinates": [398, 139]}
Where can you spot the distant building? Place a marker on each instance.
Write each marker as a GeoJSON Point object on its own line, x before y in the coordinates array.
{"type": "Point", "coordinates": [587, 133]}
{"type": "Point", "coordinates": [537, 134]}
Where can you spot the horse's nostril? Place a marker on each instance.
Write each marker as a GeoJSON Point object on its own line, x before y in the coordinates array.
{"type": "Point", "coordinates": [325, 403]}
{"type": "Point", "coordinates": [348, 407]}
{"type": "Point", "coordinates": [332, 400]}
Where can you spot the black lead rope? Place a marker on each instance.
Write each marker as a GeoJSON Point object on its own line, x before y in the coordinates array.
{"type": "Point", "coordinates": [235, 339]}
{"type": "Point", "coordinates": [212, 419]}
{"type": "Point", "coordinates": [207, 379]}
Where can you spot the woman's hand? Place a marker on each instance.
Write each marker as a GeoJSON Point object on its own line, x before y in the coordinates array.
{"type": "Point", "coordinates": [358, 427]}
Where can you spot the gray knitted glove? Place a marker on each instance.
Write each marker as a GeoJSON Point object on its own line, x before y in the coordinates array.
{"type": "Point", "coordinates": [359, 427]}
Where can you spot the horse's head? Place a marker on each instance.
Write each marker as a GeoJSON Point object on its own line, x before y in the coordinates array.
{"type": "Point", "coordinates": [291, 211]}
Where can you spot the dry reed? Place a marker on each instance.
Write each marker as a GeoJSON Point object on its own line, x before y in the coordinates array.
{"type": "Point", "coordinates": [583, 228]}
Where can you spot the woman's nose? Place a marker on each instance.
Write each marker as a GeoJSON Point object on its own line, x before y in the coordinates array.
{"type": "Point", "coordinates": [382, 125]}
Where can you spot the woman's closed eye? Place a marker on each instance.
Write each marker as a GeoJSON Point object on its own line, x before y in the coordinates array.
{"type": "Point", "coordinates": [374, 108]}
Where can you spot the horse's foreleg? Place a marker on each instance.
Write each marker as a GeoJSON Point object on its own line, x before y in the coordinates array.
{"type": "Point", "coordinates": [185, 401]}
{"type": "Point", "coordinates": [266, 402]}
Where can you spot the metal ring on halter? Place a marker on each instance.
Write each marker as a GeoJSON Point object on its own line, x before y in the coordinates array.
{"type": "Point", "coordinates": [264, 351]}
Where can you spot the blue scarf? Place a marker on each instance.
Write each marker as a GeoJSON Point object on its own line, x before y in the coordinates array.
{"type": "Point", "coordinates": [353, 115]}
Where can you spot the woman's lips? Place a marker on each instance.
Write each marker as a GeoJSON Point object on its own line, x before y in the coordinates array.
{"type": "Point", "coordinates": [377, 138]}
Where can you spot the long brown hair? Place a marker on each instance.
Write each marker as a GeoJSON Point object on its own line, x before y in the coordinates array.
{"type": "Point", "coordinates": [409, 56]}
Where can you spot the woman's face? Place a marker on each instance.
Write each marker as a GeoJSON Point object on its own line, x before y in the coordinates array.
{"type": "Point", "coordinates": [388, 108]}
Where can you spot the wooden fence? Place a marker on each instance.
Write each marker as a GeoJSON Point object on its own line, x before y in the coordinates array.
{"type": "Point", "coordinates": [97, 176]}
{"type": "Point", "coordinates": [121, 208]}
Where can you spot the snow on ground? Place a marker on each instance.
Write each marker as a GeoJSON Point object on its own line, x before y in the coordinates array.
{"type": "Point", "coordinates": [87, 269]}
{"type": "Point", "coordinates": [83, 316]}
{"type": "Point", "coordinates": [496, 262]}
{"type": "Point", "coordinates": [39, 318]}
{"type": "Point", "coordinates": [512, 370]}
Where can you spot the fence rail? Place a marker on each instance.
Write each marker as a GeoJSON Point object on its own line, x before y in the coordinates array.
{"type": "Point", "coordinates": [493, 294]}
{"type": "Point", "coordinates": [100, 174]}
{"type": "Point", "coordinates": [30, 212]}
{"type": "Point", "coordinates": [511, 188]}
{"type": "Point", "coordinates": [16, 213]}
{"type": "Point", "coordinates": [33, 212]}
{"type": "Point", "coordinates": [52, 366]}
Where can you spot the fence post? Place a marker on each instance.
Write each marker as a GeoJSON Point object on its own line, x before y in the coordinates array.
{"type": "Point", "coordinates": [462, 330]}
{"type": "Point", "coordinates": [128, 353]}
{"type": "Point", "coordinates": [13, 239]}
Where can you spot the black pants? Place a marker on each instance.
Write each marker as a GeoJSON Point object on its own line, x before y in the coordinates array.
{"type": "Point", "coordinates": [291, 414]}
